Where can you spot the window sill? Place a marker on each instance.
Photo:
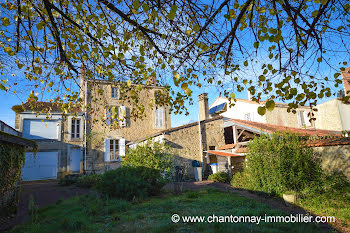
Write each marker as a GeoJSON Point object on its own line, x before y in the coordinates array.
{"type": "Point", "coordinates": [76, 139]}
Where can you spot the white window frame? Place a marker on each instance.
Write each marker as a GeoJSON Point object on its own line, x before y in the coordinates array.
{"type": "Point", "coordinates": [122, 114]}
{"type": "Point", "coordinates": [121, 145]}
{"type": "Point", "coordinates": [76, 127]}
{"type": "Point", "coordinates": [114, 92]}
{"type": "Point", "coordinates": [248, 116]}
{"type": "Point", "coordinates": [303, 118]}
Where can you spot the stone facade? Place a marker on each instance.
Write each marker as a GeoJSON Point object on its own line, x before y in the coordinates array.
{"type": "Point", "coordinates": [188, 143]}
{"type": "Point", "coordinates": [100, 98]}
{"type": "Point", "coordinates": [335, 158]}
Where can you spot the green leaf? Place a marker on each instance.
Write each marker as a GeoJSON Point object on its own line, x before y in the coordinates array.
{"type": "Point", "coordinates": [172, 12]}
{"type": "Point", "coordinates": [256, 44]}
{"type": "Point", "coordinates": [196, 28]}
{"type": "Point", "coordinates": [5, 21]}
{"type": "Point", "coordinates": [261, 110]}
{"type": "Point", "coordinates": [2, 87]}
{"type": "Point", "coordinates": [136, 4]}
{"type": "Point", "coordinates": [270, 105]}
{"type": "Point", "coordinates": [145, 7]}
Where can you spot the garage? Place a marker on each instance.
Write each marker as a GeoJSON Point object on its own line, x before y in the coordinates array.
{"type": "Point", "coordinates": [42, 166]}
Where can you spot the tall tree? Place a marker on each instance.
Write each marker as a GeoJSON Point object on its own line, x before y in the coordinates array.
{"type": "Point", "coordinates": [280, 49]}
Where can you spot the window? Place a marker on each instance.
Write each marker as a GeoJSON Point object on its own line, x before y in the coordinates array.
{"type": "Point", "coordinates": [248, 117]}
{"type": "Point", "coordinates": [159, 117]}
{"type": "Point", "coordinates": [114, 92]}
{"type": "Point", "coordinates": [303, 118]}
{"type": "Point", "coordinates": [112, 113]}
{"type": "Point", "coordinates": [116, 113]}
{"type": "Point", "coordinates": [114, 149]}
{"type": "Point", "coordinates": [75, 130]}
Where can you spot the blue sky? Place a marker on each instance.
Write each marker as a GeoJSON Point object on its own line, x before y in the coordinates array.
{"type": "Point", "coordinates": [8, 99]}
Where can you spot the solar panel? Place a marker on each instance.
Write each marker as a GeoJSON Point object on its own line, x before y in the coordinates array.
{"type": "Point", "coordinates": [218, 109]}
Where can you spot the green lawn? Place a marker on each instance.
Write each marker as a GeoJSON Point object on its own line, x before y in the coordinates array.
{"type": "Point", "coordinates": [92, 214]}
{"type": "Point", "coordinates": [329, 204]}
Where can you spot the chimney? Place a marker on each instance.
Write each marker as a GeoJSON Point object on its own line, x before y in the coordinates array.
{"type": "Point", "coordinates": [152, 80]}
{"type": "Point", "coordinates": [346, 81]}
{"type": "Point", "coordinates": [203, 106]}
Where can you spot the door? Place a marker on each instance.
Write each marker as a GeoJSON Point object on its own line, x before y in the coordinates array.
{"type": "Point", "coordinates": [75, 159]}
{"type": "Point", "coordinates": [42, 166]}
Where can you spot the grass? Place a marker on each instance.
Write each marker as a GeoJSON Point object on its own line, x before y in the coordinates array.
{"type": "Point", "coordinates": [334, 203]}
{"type": "Point", "coordinates": [96, 214]}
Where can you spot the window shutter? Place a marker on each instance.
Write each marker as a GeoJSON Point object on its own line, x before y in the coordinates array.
{"type": "Point", "coordinates": [122, 115]}
{"type": "Point", "coordinates": [299, 118]}
{"type": "Point", "coordinates": [70, 128]}
{"type": "Point", "coordinates": [161, 117]}
{"type": "Point", "coordinates": [156, 117]}
{"type": "Point", "coordinates": [307, 119]}
{"type": "Point", "coordinates": [107, 150]}
{"type": "Point", "coordinates": [121, 148]}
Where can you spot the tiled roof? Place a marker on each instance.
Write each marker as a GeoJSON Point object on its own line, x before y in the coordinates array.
{"type": "Point", "coordinates": [227, 146]}
{"type": "Point", "coordinates": [241, 150]}
{"type": "Point", "coordinates": [221, 153]}
{"type": "Point", "coordinates": [329, 142]}
{"type": "Point", "coordinates": [268, 128]}
{"type": "Point", "coordinates": [45, 107]}
{"type": "Point", "coordinates": [40, 106]}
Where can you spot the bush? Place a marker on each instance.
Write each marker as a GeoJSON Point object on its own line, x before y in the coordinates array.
{"type": "Point", "coordinates": [220, 177]}
{"type": "Point", "coordinates": [279, 163]}
{"type": "Point", "coordinates": [131, 182]}
{"type": "Point", "coordinates": [240, 180]}
{"type": "Point", "coordinates": [153, 155]}
{"type": "Point", "coordinates": [69, 179]}
{"type": "Point", "coordinates": [88, 181]}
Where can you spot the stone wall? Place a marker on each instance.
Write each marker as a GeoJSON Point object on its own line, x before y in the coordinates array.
{"type": "Point", "coordinates": [185, 142]}
{"type": "Point", "coordinates": [335, 158]}
{"type": "Point", "coordinates": [280, 116]}
{"type": "Point", "coordinates": [136, 128]}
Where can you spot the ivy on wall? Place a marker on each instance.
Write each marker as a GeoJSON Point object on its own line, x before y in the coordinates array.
{"type": "Point", "coordinates": [12, 157]}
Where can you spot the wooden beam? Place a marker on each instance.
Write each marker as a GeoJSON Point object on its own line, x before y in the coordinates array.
{"type": "Point", "coordinates": [235, 137]}
{"type": "Point", "coordinates": [240, 134]}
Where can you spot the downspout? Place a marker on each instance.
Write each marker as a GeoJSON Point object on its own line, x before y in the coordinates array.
{"type": "Point", "coordinates": [200, 144]}
{"type": "Point", "coordinates": [85, 127]}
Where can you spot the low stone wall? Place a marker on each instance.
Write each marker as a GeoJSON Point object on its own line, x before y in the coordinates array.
{"type": "Point", "coordinates": [335, 158]}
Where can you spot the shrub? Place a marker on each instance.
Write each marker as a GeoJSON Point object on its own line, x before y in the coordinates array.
{"type": "Point", "coordinates": [69, 179]}
{"type": "Point", "coordinates": [220, 177]}
{"type": "Point", "coordinates": [88, 181]}
{"type": "Point", "coordinates": [153, 155]}
{"type": "Point", "coordinates": [278, 163]}
{"type": "Point", "coordinates": [240, 180]}
{"type": "Point", "coordinates": [131, 182]}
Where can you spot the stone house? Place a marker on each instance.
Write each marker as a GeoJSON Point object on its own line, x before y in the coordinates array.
{"type": "Point", "coordinates": [107, 137]}
{"type": "Point", "coordinates": [220, 142]}
{"type": "Point", "coordinates": [89, 139]}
